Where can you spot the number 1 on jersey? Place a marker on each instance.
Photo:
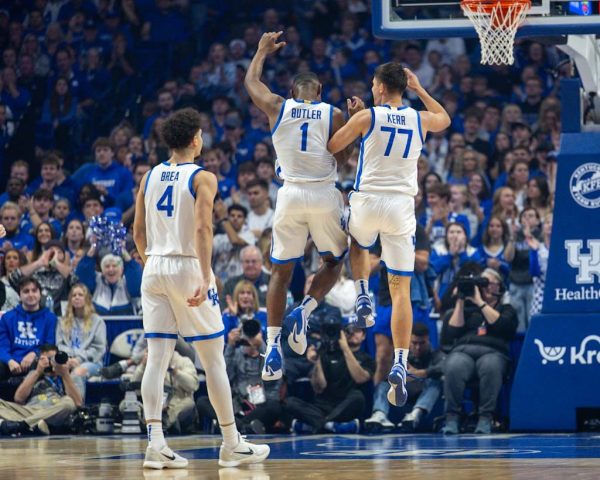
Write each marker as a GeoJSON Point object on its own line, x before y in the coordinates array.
{"type": "Point", "coordinates": [165, 203]}
{"type": "Point", "coordinates": [304, 128]}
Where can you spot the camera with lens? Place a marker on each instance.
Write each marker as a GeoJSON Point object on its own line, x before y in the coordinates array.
{"type": "Point", "coordinates": [60, 358]}
{"type": "Point", "coordinates": [250, 328]}
{"type": "Point", "coordinates": [466, 284]}
{"type": "Point", "coordinates": [330, 334]}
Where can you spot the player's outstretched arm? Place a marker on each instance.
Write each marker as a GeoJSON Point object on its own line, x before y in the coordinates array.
{"type": "Point", "coordinates": [139, 222]}
{"type": "Point", "coordinates": [357, 125]}
{"type": "Point", "coordinates": [205, 186]}
{"type": "Point", "coordinates": [260, 94]}
{"type": "Point", "coordinates": [355, 105]}
{"type": "Point", "coordinates": [435, 119]}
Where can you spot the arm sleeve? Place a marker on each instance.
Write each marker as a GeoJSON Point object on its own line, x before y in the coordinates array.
{"type": "Point", "coordinates": [133, 276]}
{"type": "Point", "coordinates": [86, 271]}
{"type": "Point", "coordinates": [449, 333]}
{"type": "Point", "coordinates": [507, 323]}
{"type": "Point", "coordinates": [97, 349]}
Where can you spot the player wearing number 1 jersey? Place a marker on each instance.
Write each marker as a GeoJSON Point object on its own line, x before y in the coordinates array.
{"type": "Point", "coordinates": [382, 203]}
{"type": "Point", "coordinates": [173, 235]}
{"type": "Point", "coordinates": [307, 204]}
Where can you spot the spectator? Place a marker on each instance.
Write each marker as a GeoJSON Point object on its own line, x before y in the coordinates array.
{"type": "Point", "coordinates": [52, 178]}
{"type": "Point", "coordinates": [126, 200]}
{"type": "Point", "coordinates": [446, 259]}
{"type": "Point", "coordinates": [518, 181]}
{"type": "Point", "coordinates": [12, 260]}
{"type": "Point", "coordinates": [521, 283]}
{"type": "Point", "coordinates": [265, 170]}
{"type": "Point", "coordinates": [106, 174]}
{"type": "Point", "coordinates": [52, 271]}
{"type": "Point", "coordinates": [212, 163]}
{"type": "Point", "coordinates": [74, 238]}
{"type": "Point", "coordinates": [504, 206]}
{"type": "Point", "coordinates": [12, 95]}
{"type": "Point", "coordinates": [44, 398]}
{"type": "Point", "coordinates": [340, 367]}
{"type": "Point", "coordinates": [81, 334]}
{"type": "Point", "coordinates": [59, 117]}
{"type": "Point", "coordinates": [538, 264]}
{"type": "Point", "coordinates": [43, 233]}
{"type": "Point", "coordinates": [261, 214]}
{"type": "Point", "coordinates": [256, 403]}
{"type": "Point", "coordinates": [426, 367]}
{"type": "Point", "coordinates": [477, 332]}
{"type": "Point", "coordinates": [15, 191]}
{"type": "Point", "coordinates": [10, 216]}
{"type": "Point", "coordinates": [227, 246]}
{"type": "Point", "coordinates": [538, 195]}
{"type": "Point", "coordinates": [497, 249]}
{"type": "Point", "coordinates": [116, 288]}
{"type": "Point", "coordinates": [438, 214]}
{"type": "Point", "coordinates": [166, 104]}
{"type": "Point", "coordinates": [60, 212]}
{"type": "Point", "coordinates": [458, 206]}
{"type": "Point", "coordinates": [243, 306]}
{"type": "Point", "coordinates": [251, 259]}
{"type": "Point", "coordinates": [181, 382]}
{"type": "Point", "coordinates": [38, 211]}
{"type": "Point", "coordinates": [24, 329]}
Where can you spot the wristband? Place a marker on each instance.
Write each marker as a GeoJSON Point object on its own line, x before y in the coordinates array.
{"type": "Point", "coordinates": [483, 306]}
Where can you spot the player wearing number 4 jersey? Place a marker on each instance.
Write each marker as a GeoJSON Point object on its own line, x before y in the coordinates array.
{"type": "Point", "coordinates": [173, 234]}
{"type": "Point", "coordinates": [307, 204]}
{"type": "Point", "coordinates": [382, 203]}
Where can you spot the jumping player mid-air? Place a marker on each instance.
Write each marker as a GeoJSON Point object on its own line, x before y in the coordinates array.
{"type": "Point", "coordinates": [307, 204]}
{"type": "Point", "coordinates": [173, 235]}
{"type": "Point", "coordinates": [382, 203]}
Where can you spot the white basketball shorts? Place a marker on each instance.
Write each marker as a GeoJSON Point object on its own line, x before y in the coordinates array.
{"type": "Point", "coordinates": [303, 209]}
{"type": "Point", "coordinates": [167, 283]}
{"type": "Point", "coordinates": [392, 217]}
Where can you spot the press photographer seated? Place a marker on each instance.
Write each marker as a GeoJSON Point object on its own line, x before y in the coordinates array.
{"type": "Point", "coordinates": [46, 397]}
{"type": "Point", "coordinates": [477, 333]}
{"type": "Point", "coordinates": [340, 367]}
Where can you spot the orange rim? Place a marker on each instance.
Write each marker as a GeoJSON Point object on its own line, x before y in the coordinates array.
{"type": "Point", "coordinates": [490, 5]}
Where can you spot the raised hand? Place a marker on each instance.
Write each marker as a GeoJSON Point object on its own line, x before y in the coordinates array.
{"type": "Point", "coordinates": [355, 105]}
{"type": "Point", "coordinates": [268, 42]}
{"type": "Point", "coordinates": [412, 81]}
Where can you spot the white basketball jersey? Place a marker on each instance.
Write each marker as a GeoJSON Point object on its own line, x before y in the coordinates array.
{"type": "Point", "coordinates": [300, 139]}
{"type": "Point", "coordinates": [169, 198]}
{"type": "Point", "coordinates": [389, 151]}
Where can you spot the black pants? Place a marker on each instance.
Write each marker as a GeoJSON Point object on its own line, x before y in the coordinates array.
{"type": "Point", "coordinates": [322, 410]}
{"type": "Point", "coordinates": [466, 362]}
{"type": "Point", "coordinates": [268, 413]}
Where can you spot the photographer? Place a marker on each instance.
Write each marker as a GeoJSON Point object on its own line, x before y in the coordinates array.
{"type": "Point", "coordinates": [255, 402]}
{"type": "Point", "coordinates": [243, 304]}
{"type": "Point", "coordinates": [47, 396]}
{"type": "Point", "coordinates": [477, 332]}
{"type": "Point", "coordinates": [340, 367]}
{"type": "Point", "coordinates": [23, 329]}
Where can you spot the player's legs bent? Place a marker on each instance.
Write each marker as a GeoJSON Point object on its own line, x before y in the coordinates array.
{"type": "Point", "coordinates": [401, 331]}
{"type": "Point", "coordinates": [361, 269]}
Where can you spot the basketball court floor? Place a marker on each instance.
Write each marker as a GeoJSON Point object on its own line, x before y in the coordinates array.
{"type": "Point", "coordinates": [348, 457]}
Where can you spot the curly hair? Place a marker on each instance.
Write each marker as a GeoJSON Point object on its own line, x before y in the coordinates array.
{"type": "Point", "coordinates": [180, 128]}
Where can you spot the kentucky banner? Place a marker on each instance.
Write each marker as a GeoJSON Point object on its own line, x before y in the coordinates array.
{"type": "Point", "coordinates": [573, 277]}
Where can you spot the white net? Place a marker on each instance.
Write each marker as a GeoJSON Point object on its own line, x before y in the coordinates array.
{"type": "Point", "coordinates": [496, 24]}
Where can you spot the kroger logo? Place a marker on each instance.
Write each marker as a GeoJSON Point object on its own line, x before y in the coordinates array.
{"type": "Point", "coordinates": [582, 355]}
{"type": "Point", "coordinates": [585, 185]}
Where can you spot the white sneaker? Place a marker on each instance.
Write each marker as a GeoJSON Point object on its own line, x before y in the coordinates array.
{"type": "Point", "coordinates": [378, 421]}
{"type": "Point", "coordinates": [166, 458]}
{"type": "Point", "coordinates": [245, 452]}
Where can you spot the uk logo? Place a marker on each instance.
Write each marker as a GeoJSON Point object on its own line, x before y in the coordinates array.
{"type": "Point", "coordinates": [26, 330]}
{"type": "Point", "coordinates": [213, 296]}
{"type": "Point", "coordinates": [585, 185]}
{"type": "Point", "coordinates": [587, 264]}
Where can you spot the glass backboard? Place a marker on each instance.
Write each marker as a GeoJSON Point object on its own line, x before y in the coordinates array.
{"type": "Point", "coordinates": [412, 19]}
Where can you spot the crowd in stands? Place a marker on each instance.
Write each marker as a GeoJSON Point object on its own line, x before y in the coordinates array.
{"type": "Point", "coordinates": [84, 88]}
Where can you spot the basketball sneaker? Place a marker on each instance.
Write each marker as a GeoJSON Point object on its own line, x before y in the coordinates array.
{"type": "Point", "coordinates": [166, 458]}
{"type": "Point", "coordinates": [364, 311]}
{"type": "Point", "coordinates": [273, 367]}
{"type": "Point", "coordinates": [378, 422]}
{"type": "Point", "coordinates": [245, 452]}
{"type": "Point", "coordinates": [397, 395]}
{"type": "Point", "coordinates": [298, 321]}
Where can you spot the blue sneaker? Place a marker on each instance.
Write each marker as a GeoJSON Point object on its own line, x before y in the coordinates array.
{"type": "Point", "coordinates": [301, 428]}
{"type": "Point", "coordinates": [353, 426]}
{"type": "Point", "coordinates": [397, 395]}
{"type": "Point", "coordinates": [299, 323]}
{"type": "Point", "coordinates": [364, 311]}
{"type": "Point", "coordinates": [273, 367]}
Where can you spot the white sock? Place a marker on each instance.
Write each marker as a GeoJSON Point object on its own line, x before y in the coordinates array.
{"type": "Point", "coordinates": [231, 438]}
{"type": "Point", "coordinates": [309, 304]}
{"type": "Point", "coordinates": [401, 356]}
{"type": "Point", "coordinates": [273, 335]}
{"type": "Point", "coordinates": [156, 438]}
{"type": "Point", "coordinates": [362, 287]}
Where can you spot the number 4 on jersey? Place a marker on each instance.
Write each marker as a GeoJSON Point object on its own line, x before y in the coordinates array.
{"type": "Point", "coordinates": [165, 203]}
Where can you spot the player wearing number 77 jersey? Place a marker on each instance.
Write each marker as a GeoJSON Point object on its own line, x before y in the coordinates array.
{"type": "Point", "coordinates": [382, 203]}
{"type": "Point", "coordinates": [307, 204]}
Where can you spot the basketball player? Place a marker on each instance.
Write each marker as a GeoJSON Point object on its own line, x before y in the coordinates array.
{"type": "Point", "coordinates": [307, 204]}
{"type": "Point", "coordinates": [173, 234]}
{"type": "Point", "coordinates": [382, 202]}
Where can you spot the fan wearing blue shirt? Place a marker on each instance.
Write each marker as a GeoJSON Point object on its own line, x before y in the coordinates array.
{"type": "Point", "coordinates": [438, 215]}
{"type": "Point", "coordinates": [107, 175]}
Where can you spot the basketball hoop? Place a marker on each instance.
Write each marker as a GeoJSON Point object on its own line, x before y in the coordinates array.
{"type": "Point", "coordinates": [496, 23]}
